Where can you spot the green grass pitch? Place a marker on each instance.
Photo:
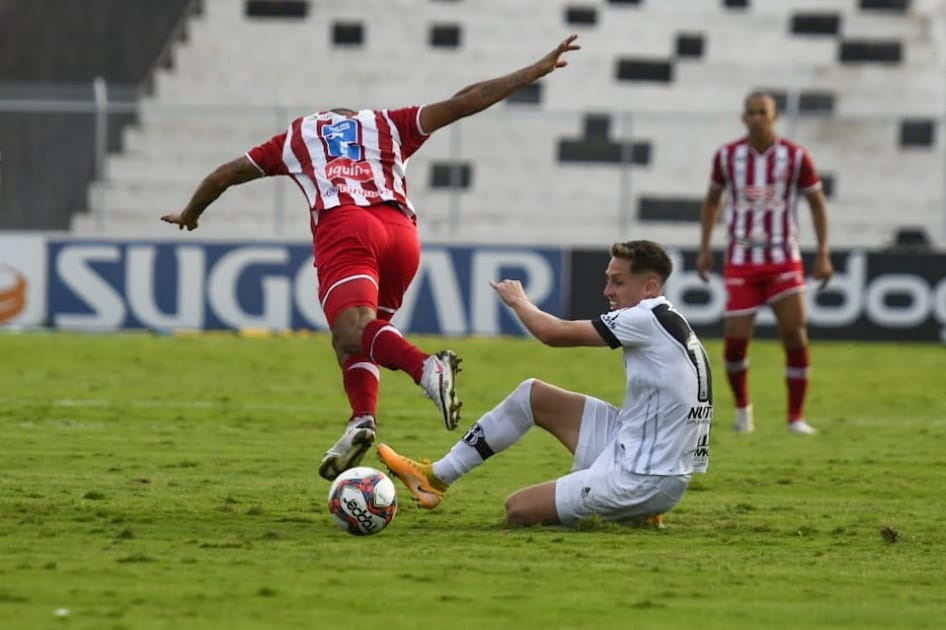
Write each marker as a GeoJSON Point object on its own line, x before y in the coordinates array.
{"type": "Point", "coordinates": [170, 482]}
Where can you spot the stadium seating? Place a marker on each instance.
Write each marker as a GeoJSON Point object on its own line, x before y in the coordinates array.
{"type": "Point", "coordinates": [616, 146]}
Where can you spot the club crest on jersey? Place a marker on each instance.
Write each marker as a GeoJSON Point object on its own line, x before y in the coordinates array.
{"type": "Point", "coordinates": [344, 168]}
{"type": "Point", "coordinates": [341, 139]}
{"type": "Point", "coordinates": [759, 193]}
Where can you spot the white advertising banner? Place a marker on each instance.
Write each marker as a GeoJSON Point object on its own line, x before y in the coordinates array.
{"type": "Point", "coordinates": [22, 280]}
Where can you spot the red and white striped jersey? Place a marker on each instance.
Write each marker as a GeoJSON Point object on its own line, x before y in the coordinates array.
{"type": "Point", "coordinates": [762, 191]}
{"type": "Point", "coordinates": [346, 160]}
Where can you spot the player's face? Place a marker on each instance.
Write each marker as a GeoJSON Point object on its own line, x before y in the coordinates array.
{"type": "Point", "coordinates": [760, 115]}
{"type": "Point", "coordinates": [623, 288]}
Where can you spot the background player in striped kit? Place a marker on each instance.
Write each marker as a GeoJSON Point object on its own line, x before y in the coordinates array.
{"type": "Point", "coordinates": [351, 167]}
{"type": "Point", "coordinates": [763, 175]}
{"type": "Point", "coordinates": [631, 464]}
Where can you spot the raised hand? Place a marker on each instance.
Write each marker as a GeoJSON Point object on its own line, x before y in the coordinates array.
{"type": "Point", "coordinates": [554, 59]}
{"type": "Point", "coordinates": [181, 220]}
{"type": "Point", "coordinates": [510, 291]}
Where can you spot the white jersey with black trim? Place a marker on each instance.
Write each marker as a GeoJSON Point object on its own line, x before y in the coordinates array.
{"type": "Point", "coordinates": [668, 405]}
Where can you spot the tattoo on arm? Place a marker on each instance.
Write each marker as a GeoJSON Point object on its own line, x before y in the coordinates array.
{"type": "Point", "coordinates": [503, 86]}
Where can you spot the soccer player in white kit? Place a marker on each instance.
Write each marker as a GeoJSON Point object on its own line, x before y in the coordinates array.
{"type": "Point", "coordinates": [631, 464]}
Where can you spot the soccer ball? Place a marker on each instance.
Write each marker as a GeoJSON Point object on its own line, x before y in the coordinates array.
{"type": "Point", "coordinates": [362, 500]}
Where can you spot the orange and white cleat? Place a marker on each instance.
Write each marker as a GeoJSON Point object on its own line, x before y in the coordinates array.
{"type": "Point", "coordinates": [656, 521]}
{"type": "Point", "coordinates": [418, 476]}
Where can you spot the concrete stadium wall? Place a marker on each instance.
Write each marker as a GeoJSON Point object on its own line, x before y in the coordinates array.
{"type": "Point", "coordinates": [621, 139]}
{"type": "Point", "coordinates": [51, 50]}
{"type": "Point", "coordinates": [74, 42]}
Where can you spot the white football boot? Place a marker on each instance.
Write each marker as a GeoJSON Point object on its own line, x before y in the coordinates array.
{"type": "Point", "coordinates": [439, 382]}
{"type": "Point", "coordinates": [744, 423]}
{"type": "Point", "coordinates": [350, 448]}
{"type": "Point", "coordinates": [800, 426]}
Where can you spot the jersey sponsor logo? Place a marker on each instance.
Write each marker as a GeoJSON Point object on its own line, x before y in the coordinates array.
{"type": "Point", "coordinates": [699, 414]}
{"type": "Point", "coordinates": [354, 190]}
{"type": "Point", "coordinates": [341, 139]}
{"type": "Point", "coordinates": [702, 447]}
{"type": "Point", "coordinates": [759, 193]}
{"type": "Point", "coordinates": [343, 168]}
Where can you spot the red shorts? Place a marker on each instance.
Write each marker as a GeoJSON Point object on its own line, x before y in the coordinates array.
{"type": "Point", "coordinates": [364, 257]}
{"type": "Point", "coordinates": [751, 286]}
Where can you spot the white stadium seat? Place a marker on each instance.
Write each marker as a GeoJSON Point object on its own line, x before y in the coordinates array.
{"type": "Point", "coordinates": [237, 80]}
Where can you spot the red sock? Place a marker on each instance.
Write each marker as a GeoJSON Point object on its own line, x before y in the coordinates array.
{"type": "Point", "coordinates": [737, 368]}
{"type": "Point", "coordinates": [385, 345]}
{"type": "Point", "coordinates": [361, 379]}
{"type": "Point", "coordinates": [796, 378]}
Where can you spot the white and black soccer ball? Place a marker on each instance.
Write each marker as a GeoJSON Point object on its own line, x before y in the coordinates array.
{"type": "Point", "coordinates": [362, 500]}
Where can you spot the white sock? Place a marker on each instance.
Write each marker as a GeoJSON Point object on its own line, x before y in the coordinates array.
{"type": "Point", "coordinates": [495, 431]}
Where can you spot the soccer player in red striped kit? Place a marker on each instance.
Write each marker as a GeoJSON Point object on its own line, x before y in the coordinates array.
{"type": "Point", "coordinates": [763, 176]}
{"type": "Point", "coordinates": [351, 167]}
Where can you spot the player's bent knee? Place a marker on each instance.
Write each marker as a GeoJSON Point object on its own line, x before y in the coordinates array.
{"type": "Point", "coordinates": [349, 328]}
{"type": "Point", "coordinates": [534, 505]}
{"type": "Point", "coordinates": [525, 387]}
{"type": "Point", "coordinates": [347, 340]}
{"type": "Point", "coordinates": [516, 514]}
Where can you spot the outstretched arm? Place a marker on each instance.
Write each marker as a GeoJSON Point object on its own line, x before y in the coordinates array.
{"type": "Point", "coordinates": [230, 174]}
{"type": "Point", "coordinates": [479, 96]}
{"type": "Point", "coordinates": [547, 328]}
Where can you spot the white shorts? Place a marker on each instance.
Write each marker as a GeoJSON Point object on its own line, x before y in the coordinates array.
{"type": "Point", "coordinates": [599, 486]}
